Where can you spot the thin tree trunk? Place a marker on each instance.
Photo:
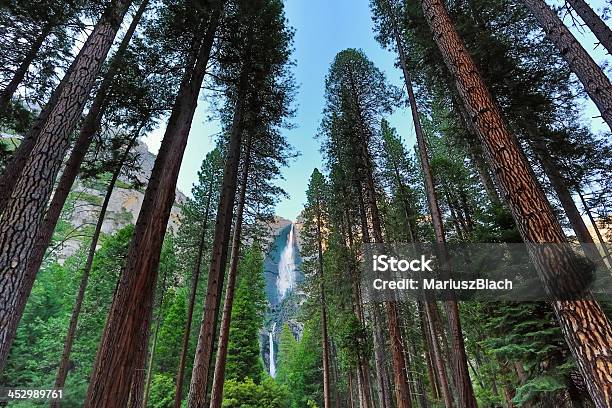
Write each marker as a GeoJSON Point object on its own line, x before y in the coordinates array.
{"type": "Point", "coordinates": [62, 371]}
{"type": "Point", "coordinates": [601, 31]}
{"type": "Point", "coordinates": [324, 335]}
{"type": "Point", "coordinates": [147, 383]}
{"type": "Point", "coordinates": [350, 390]}
{"type": "Point", "coordinates": [584, 324]}
{"type": "Point", "coordinates": [180, 376]}
{"type": "Point", "coordinates": [463, 383]}
{"type": "Point", "coordinates": [90, 126]}
{"type": "Point", "coordinates": [437, 355]}
{"type": "Point", "coordinates": [601, 240]}
{"type": "Point", "coordinates": [383, 391]}
{"type": "Point", "coordinates": [429, 352]}
{"type": "Point", "coordinates": [595, 82]}
{"type": "Point", "coordinates": [221, 358]}
{"type": "Point", "coordinates": [133, 299]}
{"type": "Point", "coordinates": [402, 394]}
{"type": "Point", "coordinates": [564, 195]}
{"type": "Point", "coordinates": [208, 326]}
{"type": "Point", "coordinates": [7, 93]}
{"type": "Point", "coordinates": [24, 212]}
{"type": "Point", "coordinates": [363, 379]}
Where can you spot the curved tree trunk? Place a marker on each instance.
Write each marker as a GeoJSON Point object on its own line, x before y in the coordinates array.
{"type": "Point", "coordinates": [601, 31]}
{"type": "Point", "coordinates": [24, 211]}
{"type": "Point", "coordinates": [586, 328]}
{"type": "Point", "coordinates": [216, 397]}
{"type": "Point", "coordinates": [127, 325]}
{"type": "Point", "coordinates": [595, 82]}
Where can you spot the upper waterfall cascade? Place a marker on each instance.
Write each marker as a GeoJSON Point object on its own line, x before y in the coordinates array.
{"type": "Point", "coordinates": [287, 267]}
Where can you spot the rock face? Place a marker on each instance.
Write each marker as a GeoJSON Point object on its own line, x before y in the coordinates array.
{"type": "Point", "coordinates": [83, 205]}
{"type": "Point", "coordinates": [282, 274]}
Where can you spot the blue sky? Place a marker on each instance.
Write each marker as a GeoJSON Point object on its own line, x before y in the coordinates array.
{"type": "Point", "coordinates": [323, 28]}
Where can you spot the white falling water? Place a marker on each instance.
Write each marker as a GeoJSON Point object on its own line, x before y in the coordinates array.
{"type": "Point", "coordinates": [286, 268]}
{"type": "Point", "coordinates": [272, 363]}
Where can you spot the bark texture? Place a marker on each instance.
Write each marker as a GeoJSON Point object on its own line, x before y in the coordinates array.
{"type": "Point", "coordinates": [221, 358]}
{"type": "Point", "coordinates": [586, 328]}
{"type": "Point", "coordinates": [25, 208]}
{"type": "Point", "coordinates": [595, 82]}
{"type": "Point", "coordinates": [127, 326]}
{"type": "Point", "coordinates": [208, 327]}
{"type": "Point", "coordinates": [62, 371]}
{"type": "Point", "coordinates": [180, 376]}
{"type": "Point", "coordinates": [463, 384]}
{"type": "Point", "coordinates": [601, 31]}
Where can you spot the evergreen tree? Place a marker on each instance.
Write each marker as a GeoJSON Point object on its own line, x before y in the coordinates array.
{"type": "Point", "coordinates": [243, 356]}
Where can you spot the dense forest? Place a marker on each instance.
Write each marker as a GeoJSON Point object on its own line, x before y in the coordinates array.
{"type": "Point", "coordinates": [164, 304]}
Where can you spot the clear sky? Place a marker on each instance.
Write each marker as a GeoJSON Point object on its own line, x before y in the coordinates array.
{"type": "Point", "coordinates": [323, 28]}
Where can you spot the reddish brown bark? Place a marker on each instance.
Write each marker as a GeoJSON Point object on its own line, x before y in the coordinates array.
{"type": "Point", "coordinates": [127, 326]}
{"type": "Point", "coordinates": [25, 208]}
{"type": "Point", "coordinates": [216, 271]}
{"type": "Point", "coordinates": [586, 328]}
{"type": "Point", "coordinates": [463, 383]}
{"type": "Point", "coordinates": [402, 393]}
{"type": "Point", "coordinates": [216, 397]}
{"type": "Point", "coordinates": [64, 365]}
{"type": "Point", "coordinates": [180, 376]}
{"type": "Point", "coordinates": [595, 82]}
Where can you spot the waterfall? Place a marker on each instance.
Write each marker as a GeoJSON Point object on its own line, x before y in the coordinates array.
{"type": "Point", "coordinates": [286, 267]}
{"type": "Point", "coordinates": [272, 363]}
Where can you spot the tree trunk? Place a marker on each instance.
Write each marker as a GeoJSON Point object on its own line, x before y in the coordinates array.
{"type": "Point", "coordinates": [583, 322]}
{"type": "Point", "coordinates": [21, 219]}
{"type": "Point", "coordinates": [437, 355]}
{"type": "Point", "coordinates": [72, 166]}
{"type": "Point", "coordinates": [133, 299]}
{"type": "Point", "coordinates": [7, 93]}
{"type": "Point", "coordinates": [70, 172]}
{"type": "Point", "coordinates": [324, 336]}
{"type": "Point", "coordinates": [402, 394]}
{"type": "Point", "coordinates": [463, 383]}
{"type": "Point", "coordinates": [219, 373]}
{"type": "Point", "coordinates": [208, 326]}
{"type": "Point", "coordinates": [90, 124]}
{"type": "Point", "coordinates": [601, 240]}
{"type": "Point", "coordinates": [180, 376]}
{"type": "Point", "coordinates": [362, 363]}
{"type": "Point", "coordinates": [595, 82]}
{"type": "Point", "coordinates": [147, 380]}
{"type": "Point", "coordinates": [383, 391]}
{"type": "Point", "coordinates": [601, 31]}
{"type": "Point", "coordinates": [64, 365]}
{"type": "Point", "coordinates": [567, 202]}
